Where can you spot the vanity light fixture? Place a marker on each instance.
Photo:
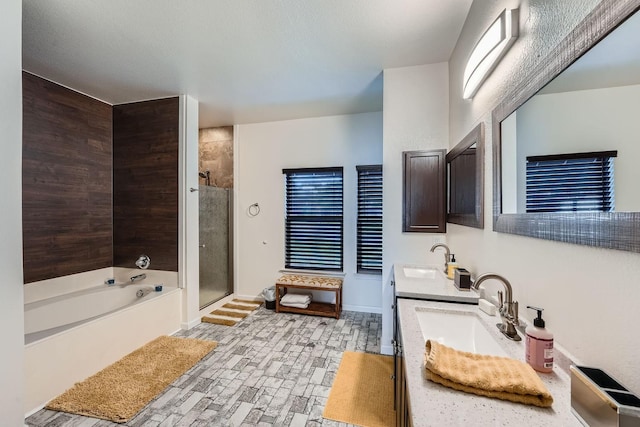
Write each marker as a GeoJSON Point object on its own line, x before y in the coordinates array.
{"type": "Point", "coordinates": [489, 50]}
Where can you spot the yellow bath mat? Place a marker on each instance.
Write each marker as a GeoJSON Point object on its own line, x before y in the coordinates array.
{"type": "Point", "coordinates": [218, 321]}
{"type": "Point", "coordinates": [231, 313]}
{"type": "Point", "coordinates": [121, 390]}
{"type": "Point", "coordinates": [238, 314]}
{"type": "Point", "coordinates": [491, 376]}
{"type": "Point", "coordinates": [362, 391]}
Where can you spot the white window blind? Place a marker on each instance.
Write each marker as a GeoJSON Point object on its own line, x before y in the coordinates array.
{"type": "Point", "coordinates": [369, 227]}
{"type": "Point", "coordinates": [575, 182]}
{"type": "Point", "coordinates": [313, 218]}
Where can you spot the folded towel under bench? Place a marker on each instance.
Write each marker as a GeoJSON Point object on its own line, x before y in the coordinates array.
{"type": "Point", "coordinates": [294, 305]}
{"type": "Point", "coordinates": [291, 298]}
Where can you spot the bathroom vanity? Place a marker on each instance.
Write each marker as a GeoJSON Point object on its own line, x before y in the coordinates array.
{"type": "Point", "coordinates": [429, 306]}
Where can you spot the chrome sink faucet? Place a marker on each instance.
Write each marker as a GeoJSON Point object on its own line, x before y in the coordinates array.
{"type": "Point", "coordinates": [447, 254]}
{"type": "Point", "coordinates": [508, 307]}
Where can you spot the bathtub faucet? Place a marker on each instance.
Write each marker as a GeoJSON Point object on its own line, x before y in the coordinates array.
{"type": "Point", "coordinates": [138, 277]}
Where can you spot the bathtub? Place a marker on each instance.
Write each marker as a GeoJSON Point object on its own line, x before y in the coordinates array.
{"type": "Point", "coordinates": [53, 315]}
{"type": "Point", "coordinates": [72, 335]}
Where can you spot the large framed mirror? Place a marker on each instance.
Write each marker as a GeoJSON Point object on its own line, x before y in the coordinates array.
{"type": "Point", "coordinates": [580, 103]}
{"type": "Point", "coordinates": [465, 180]}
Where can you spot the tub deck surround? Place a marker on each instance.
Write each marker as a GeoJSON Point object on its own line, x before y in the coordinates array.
{"type": "Point", "coordinates": [50, 316]}
{"type": "Point", "coordinates": [51, 288]}
{"type": "Point", "coordinates": [437, 288]}
{"type": "Point", "coordinates": [433, 404]}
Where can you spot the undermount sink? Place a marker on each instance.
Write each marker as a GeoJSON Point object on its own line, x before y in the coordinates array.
{"type": "Point", "coordinates": [419, 272]}
{"type": "Point", "coordinates": [457, 329]}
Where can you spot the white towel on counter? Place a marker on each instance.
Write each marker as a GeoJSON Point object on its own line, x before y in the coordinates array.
{"type": "Point", "coordinates": [295, 299]}
{"type": "Point", "coordinates": [294, 305]}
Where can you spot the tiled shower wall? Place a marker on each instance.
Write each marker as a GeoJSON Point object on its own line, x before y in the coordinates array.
{"type": "Point", "coordinates": [216, 155]}
{"type": "Point", "coordinates": [145, 183]}
{"type": "Point", "coordinates": [77, 214]}
{"type": "Point", "coordinates": [66, 181]}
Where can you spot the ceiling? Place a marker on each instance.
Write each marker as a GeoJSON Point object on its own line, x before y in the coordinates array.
{"type": "Point", "coordinates": [246, 61]}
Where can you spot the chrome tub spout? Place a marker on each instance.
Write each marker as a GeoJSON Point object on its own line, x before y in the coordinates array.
{"type": "Point", "coordinates": [138, 277]}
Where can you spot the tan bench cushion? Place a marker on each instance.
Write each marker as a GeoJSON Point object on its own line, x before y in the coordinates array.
{"type": "Point", "coordinates": [311, 281]}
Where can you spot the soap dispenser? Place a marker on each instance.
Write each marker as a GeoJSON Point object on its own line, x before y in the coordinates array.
{"type": "Point", "coordinates": [539, 344]}
{"type": "Point", "coordinates": [451, 267]}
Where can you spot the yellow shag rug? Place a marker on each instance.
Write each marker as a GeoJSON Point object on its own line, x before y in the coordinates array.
{"type": "Point", "coordinates": [231, 313]}
{"type": "Point", "coordinates": [121, 390]}
{"type": "Point", "coordinates": [362, 391]}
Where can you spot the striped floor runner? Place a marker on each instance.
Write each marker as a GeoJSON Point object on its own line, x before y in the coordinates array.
{"type": "Point", "coordinates": [231, 313]}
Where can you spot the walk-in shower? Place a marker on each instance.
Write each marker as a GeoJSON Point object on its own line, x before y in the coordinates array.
{"type": "Point", "coordinates": [216, 260]}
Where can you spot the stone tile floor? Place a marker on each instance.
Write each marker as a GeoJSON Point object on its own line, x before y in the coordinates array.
{"type": "Point", "coordinates": [271, 369]}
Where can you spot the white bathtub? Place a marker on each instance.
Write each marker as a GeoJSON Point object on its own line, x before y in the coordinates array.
{"type": "Point", "coordinates": [53, 315]}
{"type": "Point", "coordinates": [72, 336]}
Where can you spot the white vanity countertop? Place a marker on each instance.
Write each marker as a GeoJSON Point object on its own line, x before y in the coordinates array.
{"type": "Point", "coordinates": [438, 288]}
{"type": "Point", "coordinates": [435, 405]}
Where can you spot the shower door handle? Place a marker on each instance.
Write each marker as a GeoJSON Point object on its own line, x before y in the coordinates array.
{"type": "Point", "coordinates": [193, 190]}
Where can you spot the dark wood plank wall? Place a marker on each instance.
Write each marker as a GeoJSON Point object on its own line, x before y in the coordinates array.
{"type": "Point", "coordinates": [66, 181]}
{"type": "Point", "coordinates": [145, 198]}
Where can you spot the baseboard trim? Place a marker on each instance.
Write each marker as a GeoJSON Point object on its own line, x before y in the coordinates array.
{"type": "Point", "coordinates": [362, 308]}
{"type": "Point", "coordinates": [250, 298]}
{"type": "Point", "coordinates": [185, 326]}
{"type": "Point", "coordinates": [386, 349]}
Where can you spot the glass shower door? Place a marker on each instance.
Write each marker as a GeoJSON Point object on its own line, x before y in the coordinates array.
{"type": "Point", "coordinates": [216, 261]}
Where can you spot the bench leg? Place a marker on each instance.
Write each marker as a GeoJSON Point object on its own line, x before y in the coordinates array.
{"type": "Point", "coordinates": [277, 299]}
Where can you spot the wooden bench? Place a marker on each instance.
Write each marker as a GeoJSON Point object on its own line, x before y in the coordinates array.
{"type": "Point", "coordinates": [311, 283]}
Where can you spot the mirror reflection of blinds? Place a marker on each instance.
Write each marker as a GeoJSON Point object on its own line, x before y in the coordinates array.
{"type": "Point", "coordinates": [369, 224]}
{"type": "Point", "coordinates": [579, 182]}
{"type": "Point", "coordinates": [313, 219]}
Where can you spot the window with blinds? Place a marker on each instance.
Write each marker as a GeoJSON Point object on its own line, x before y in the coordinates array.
{"type": "Point", "coordinates": [576, 182]}
{"type": "Point", "coordinates": [369, 227]}
{"type": "Point", "coordinates": [313, 219]}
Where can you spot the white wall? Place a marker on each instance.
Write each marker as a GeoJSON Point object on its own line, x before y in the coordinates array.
{"type": "Point", "coordinates": [600, 120]}
{"type": "Point", "coordinates": [590, 295]}
{"type": "Point", "coordinates": [415, 110]}
{"type": "Point", "coordinates": [11, 292]}
{"type": "Point", "coordinates": [262, 150]}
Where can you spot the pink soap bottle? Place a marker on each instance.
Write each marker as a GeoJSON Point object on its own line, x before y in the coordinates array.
{"type": "Point", "coordinates": [539, 344]}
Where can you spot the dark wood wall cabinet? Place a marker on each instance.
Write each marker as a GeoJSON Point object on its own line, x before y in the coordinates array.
{"type": "Point", "coordinates": [99, 183]}
{"type": "Point", "coordinates": [424, 202]}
